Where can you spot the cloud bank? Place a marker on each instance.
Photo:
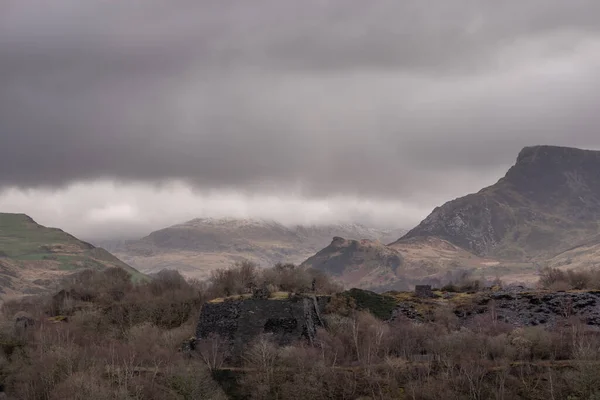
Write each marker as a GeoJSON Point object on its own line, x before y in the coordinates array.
{"type": "Point", "coordinates": [381, 102]}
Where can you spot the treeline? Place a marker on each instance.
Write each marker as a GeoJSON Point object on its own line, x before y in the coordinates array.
{"type": "Point", "coordinates": [102, 337]}
{"type": "Point", "coordinates": [558, 279]}
{"type": "Point", "coordinates": [246, 277]}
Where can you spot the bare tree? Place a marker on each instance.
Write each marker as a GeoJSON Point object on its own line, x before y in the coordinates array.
{"type": "Point", "coordinates": [213, 351]}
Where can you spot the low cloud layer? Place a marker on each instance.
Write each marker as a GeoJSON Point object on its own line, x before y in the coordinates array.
{"type": "Point", "coordinates": [383, 101]}
{"type": "Point", "coordinates": [104, 210]}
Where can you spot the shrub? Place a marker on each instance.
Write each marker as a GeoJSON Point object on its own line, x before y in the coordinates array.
{"type": "Point", "coordinates": [379, 305]}
{"type": "Point", "coordinates": [556, 279]}
{"type": "Point", "coordinates": [463, 286]}
{"type": "Point", "coordinates": [245, 277]}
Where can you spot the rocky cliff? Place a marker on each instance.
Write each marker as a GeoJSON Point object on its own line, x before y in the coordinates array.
{"type": "Point", "coordinates": [546, 203]}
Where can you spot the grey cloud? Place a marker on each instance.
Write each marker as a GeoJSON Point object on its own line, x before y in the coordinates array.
{"type": "Point", "coordinates": [370, 99]}
{"type": "Point", "coordinates": [105, 210]}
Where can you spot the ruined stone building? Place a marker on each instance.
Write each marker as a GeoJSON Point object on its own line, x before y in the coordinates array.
{"type": "Point", "coordinates": [241, 321]}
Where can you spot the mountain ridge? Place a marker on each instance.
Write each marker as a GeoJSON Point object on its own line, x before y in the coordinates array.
{"type": "Point", "coordinates": [547, 202]}
{"type": "Point", "coordinates": [200, 245]}
{"type": "Point", "coordinates": [398, 266]}
{"type": "Point", "coordinates": [543, 212]}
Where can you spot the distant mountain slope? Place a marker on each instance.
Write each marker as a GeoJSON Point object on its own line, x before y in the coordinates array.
{"type": "Point", "coordinates": [363, 263]}
{"type": "Point", "coordinates": [372, 265]}
{"type": "Point", "coordinates": [33, 257]}
{"type": "Point", "coordinates": [585, 255]}
{"type": "Point", "coordinates": [201, 245]}
{"type": "Point", "coordinates": [548, 202]}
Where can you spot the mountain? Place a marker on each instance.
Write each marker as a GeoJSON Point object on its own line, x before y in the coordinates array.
{"type": "Point", "coordinates": [201, 245]}
{"type": "Point", "coordinates": [363, 263]}
{"type": "Point", "coordinates": [397, 266]}
{"type": "Point", "coordinates": [547, 203]}
{"type": "Point", "coordinates": [544, 211]}
{"type": "Point", "coordinates": [33, 257]}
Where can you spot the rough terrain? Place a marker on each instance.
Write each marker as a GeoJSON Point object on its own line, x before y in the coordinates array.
{"type": "Point", "coordinates": [239, 320]}
{"type": "Point", "coordinates": [517, 307]}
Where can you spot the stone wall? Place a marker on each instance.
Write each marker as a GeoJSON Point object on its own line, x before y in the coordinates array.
{"type": "Point", "coordinates": [240, 321]}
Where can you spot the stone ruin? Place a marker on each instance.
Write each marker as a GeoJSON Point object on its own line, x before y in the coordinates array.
{"type": "Point", "coordinates": [423, 291]}
{"type": "Point", "coordinates": [240, 321]}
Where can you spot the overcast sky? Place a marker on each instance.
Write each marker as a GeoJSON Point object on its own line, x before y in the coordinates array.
{"type": "Point", "coordinates": [122, 116]}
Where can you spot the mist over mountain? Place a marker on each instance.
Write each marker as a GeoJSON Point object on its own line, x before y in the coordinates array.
{"type": "Point", "coordinates": [201, 245]}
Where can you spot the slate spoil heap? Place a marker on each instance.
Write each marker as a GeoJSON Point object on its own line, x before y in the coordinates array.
{"type": "Point", "coordinates": [240, 321]}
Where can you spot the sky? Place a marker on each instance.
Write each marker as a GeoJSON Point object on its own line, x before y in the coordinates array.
{"type": "Point", "coordinates": [121, 117]}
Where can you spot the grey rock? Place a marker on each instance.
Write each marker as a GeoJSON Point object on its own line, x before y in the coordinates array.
{"type": "Point", "coordinates": [522, 308]}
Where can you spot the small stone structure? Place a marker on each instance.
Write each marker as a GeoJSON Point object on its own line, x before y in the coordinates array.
{"type": "Point", "coordinates": [423, 291]}
{"type": "Point", "coordinates": [240, 321]}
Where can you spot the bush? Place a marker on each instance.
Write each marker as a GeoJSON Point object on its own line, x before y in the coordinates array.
{"type": "Point", "coordinates": [556, 279]}
{"type": "Point", "coordinates": [244, 278]}
{"type": "Point", "coordinates": [463, 284]}
{"type": "Point", "coordinates": [379, 305]}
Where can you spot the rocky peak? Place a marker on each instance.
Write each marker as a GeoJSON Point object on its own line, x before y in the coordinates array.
{"type": "Point", "coordinates": [338, 241]}
{"type": "Point", "coordinates": [548, 174]}
{"type": "Point", "coordinates": [557, 154]}
{"type": "Point", "coordinates": [547, 202]}
{"type": "Point", "coordinates": [359, 260]}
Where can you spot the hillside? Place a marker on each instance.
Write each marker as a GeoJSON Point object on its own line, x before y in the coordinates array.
{"type": "Point", "coordinates": [33, 257]}
{"type": "Point", "coordinates": [201, 245]}
{"type": "Point", "coordinates": [398, 266]}
{"type": "Point", "coordinates": [547, 203]}
{"type": "Point", "coordinates": [585, 255]}
{"type": "Point", "coordinates": [362, 263]}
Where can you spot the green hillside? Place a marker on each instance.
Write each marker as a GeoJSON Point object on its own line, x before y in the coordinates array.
{"type": "Point", "coordinates": [32, 256]}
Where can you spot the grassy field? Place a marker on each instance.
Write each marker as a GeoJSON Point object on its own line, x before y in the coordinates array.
{"type": "Point", "coordinates": [21, 236]}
